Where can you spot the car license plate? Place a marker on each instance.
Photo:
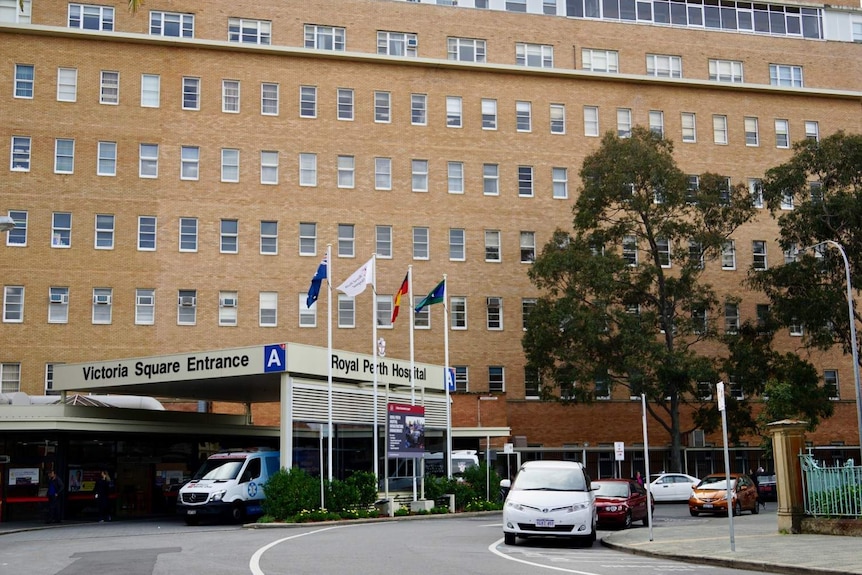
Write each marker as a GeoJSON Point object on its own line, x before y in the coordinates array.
{"type": "Point", "coordinates": [544, 522]}
{"type": "Point", "coordinates": [707, 505]}
{"type": "Point", "coordinates": [192, 512]}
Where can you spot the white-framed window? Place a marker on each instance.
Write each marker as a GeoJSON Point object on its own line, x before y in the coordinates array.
{"type": "Point", "coordinates": [728, 255]}
{"type": "Point", "coordinates": [16, 12]}
{"type": "Point", "coordinates": [103, 305]}
{"type": "Point", "coordinates": [458, 312]}
{"type": "Point", "coordinates": [188, 234]}
{"type": "Point", "coordinates": [830, 383]}
{"type": "Point", "coordinates": [230, 91]}
{"type": "Point", "coordinates": [786, 200]}
{"type": "Point", "coordinates": [307, 101]}
{"type": "Point", "coordinates": [346, 168]}
{"type": "Point", "coordinates": [560, 179]}
{"type": "Point", "coordinates": [600, 60]}
{"type": "Point", "coordinates": [785, 75]}
{"type": "Point", "coordinates": [796, 328]}
{"type": "Point", "coordinates": [591, 121]}
{"type": "Point", "coordinates": [663, 251]}
{"type": "Point", "coordinates": [462, 380]}
{"type": "Point", "coordinates": [247, 31]}
{"type": "Point", "coordinates": [630, 250]}
{"type": "Point", "coordinates": [454, 112]}
{"type": "Point", "coordinates": [516, 5]}
{"type": "Point", "coordinates": [756, 190]}
{"type": "Point", "coordinates": [457, 244]}
{"type": "Point", "coordinates": [267, 307]}
{"type": "Point", "coordinates": [421, 319]}
{"type": "Point", "coordinates": [492, 246]}
{"type": "Point", "coordinates": [419, 175]}
{"type": "Point", "coordinates": [191, 93]}
{"type": "Point", "coordinates": [465, 49]}
{"type": "Point", "coordinates": [558, 118]}
{"type": "Point", "coordinates": [346, 311]}
{"type": "Point", "coordinates": [109, 88]}
{"type": "Point", "coordinates": [524, 116]}
{"type": "Point", "coordinates": [227, 308]}
{"type": "Point", "coordinates": [10, 377]}
{"type": "Point", "coordinates": [382, 107]}
{"type": "Point", "coordinates": [752, 132]}
{"type": "Point", "coordinates": [489, 114]}
{"type": "Point", "coordinates": [534, 55]}
{"type": "Point", "coordinates": [491, 179]}
{"type": "Point", "coordinates": [496, 379]}
{"type": "Point", "coordinates": [494, 313]}
{"type": "Point", "coordinates": [58, 305]}
{"type": "Point", "coordinates": [187, 307]}
{"type": "Point", "coordinates": [229, 165]}
{"type": "Point", "coordinates": [719, 129]}
{"type": "Point", "coordinates": [791, 254]}
{"type": "Point", "coordinates": [268, 237]}
{"type": "Point", "coordinates": [383, 241]}
{"type": "Point", "coordinates": [689, 127]}
{"type": "Point", "coordinates": [145, 306]}
{"type": "Point", "coordinates": [656, 123]}
{"type": "Point", "coordinates": [384, 311]}
{"type": "Point", "coordinates": [695, 254]}
{"type": "Point", "coordinates": [782, 133]}
{"type": "Point", "coordinates": [758, 249]}
{"type": "Point", "coordinates": [382, 173]}
{"type": "Point", "coordinates": [13, 304]}
{"type": "Point", "coordinates": [528, 304]}
{"type": "Point", "coordinates": [147, 226]}
{"type": "Point", "coordinates": [692, 189]}
{"type": "Point", "coordinates": [107, 159]}
{"type": "Point", "coordinates": [731, 317]}
{"type": "Point", "coordinates": [190, 157]}
{"type": "Point", "coordinates": [64, 156]}
{"type": "Point", "coordinates": [229, 236]}
{"type": "Point", "coordinates": [151, 90]}
{"type": "Point", "coordinates": [67, 84]}
{"type": "Point", "coordinates": [726, 71]}
{"type": "Point", "coordinates": [17, 236]}
{"type": "Point", "coordinates": [61, 230]}
{"type": "Point", "coordinates": [455, 177]}
{"type": "Point", "coordinates": [307, 315]}
{"type": "Point", "coordinates": [172, 24]}
{"type": "Point", "coordinates": [89, 17]}
{"type": "Point", "coordinates": [104, 233]}
{"type": "Point", "coordinates": [268, 167]}
{"type": "Point", "coordinates": [324, 37]}
{"type": "Point", "coordinates": [624, 122]}
{"type": "Point", "coordinates": [419, 109]}
{"type": "Point", "coordinates": [346, 240]}
{"type": "Point", "coordinates": [528, 247]}
{"type": "Point", "coordinates": [345, 104]}
{"type": "Point", "coordinates": [525, 181]}
{"type": "Point", "coordinates": [307, 239]}
{"type": "Point", "coordinates": [812, 130]}
{"type": "Point", "coordinates": [307, 169]}
{"type": "Point", "coordinates": [601, 388]}
{"type": "Point", "coordinates": [397, 44]}
{"type": "Point", "coordinates": [663, 66]}
{"type": "Point", "coordinates": [421, 243]}
{"type": "Point", "coordinates": [269, 99]}
{"type": "Point", "coordinates": [856, 29]}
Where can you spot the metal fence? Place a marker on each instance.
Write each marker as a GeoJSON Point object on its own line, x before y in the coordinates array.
{"type": "Point", "coordinates": [831, 491]}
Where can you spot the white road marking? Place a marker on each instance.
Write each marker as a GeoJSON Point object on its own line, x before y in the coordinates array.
{"type": "Point", "coordinates": [254, 562]}
{"type": "Point", "coordinates": [493, 549]}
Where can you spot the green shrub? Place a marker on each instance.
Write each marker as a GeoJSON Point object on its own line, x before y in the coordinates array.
{"type": "Point", "coordinates": [341, 495]}
{"type": "Point", "coordinates": [287, 493]}
{"type": "Point", "coordinates": [366, 484]}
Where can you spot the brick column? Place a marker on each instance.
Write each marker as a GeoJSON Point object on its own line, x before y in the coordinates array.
{"type": "Point", "coordinates": [788, 441]}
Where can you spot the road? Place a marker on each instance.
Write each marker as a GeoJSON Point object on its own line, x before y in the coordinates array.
{"type": "Point", "coordinates": [441, 546]}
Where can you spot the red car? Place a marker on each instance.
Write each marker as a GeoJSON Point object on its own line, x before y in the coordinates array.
{"type": "Point", "coordinates": [620, 502]}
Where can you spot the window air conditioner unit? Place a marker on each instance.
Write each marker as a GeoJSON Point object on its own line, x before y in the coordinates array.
{"type": "Point", "coordinates": [412, 42]}
{"type": "Point", "coordinates": [187, 300]}
{"type": "Point", "coordinates": [60, 298]}
{"type": "Point", "coordinates": [228, 302]}
{"type": "Point", "coordinates": [102, 299]}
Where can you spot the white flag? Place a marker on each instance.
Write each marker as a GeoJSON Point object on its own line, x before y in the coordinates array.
{"type": "Point", "coordinates": [355, 284]}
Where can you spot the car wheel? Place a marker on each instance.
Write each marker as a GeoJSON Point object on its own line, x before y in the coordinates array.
{"type": "Point", "coordinates": [627, 522]}
{"type": "Point", "coordinates": [237, 513]}
{"type": "Point", "coordinates": [756, 509]}
{"type": "Point", "coordinates": [693, 512]}
{"type": "Point", "coordinates": [509, 538]}
{"type": "Point", "coordinates": [737, 509]}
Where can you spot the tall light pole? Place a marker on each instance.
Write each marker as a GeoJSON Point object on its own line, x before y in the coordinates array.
{"type": "Point", "coordinates": [853, 347]}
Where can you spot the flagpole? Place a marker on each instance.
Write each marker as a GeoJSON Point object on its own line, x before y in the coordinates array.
{"type": "Point", "coordinates": [329, 355]}
{"type": "Point", "coordinates": [446, 377]}
{"type": "Point", "coordinates": [374, 346]}
{"type": "Point", "coordinates": [412, 364]}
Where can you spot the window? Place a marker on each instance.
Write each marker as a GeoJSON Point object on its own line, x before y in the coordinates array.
{"type": "Point", "coordinates": [591, 121]}
{"type": "Point", "coordinates": [249, 31]}
{"type": "Point", "coordinates": [189, 162]}
{"type": "Point", "coordinates": [346, 311]}
{"type": "Point", "coordinates": [458, 312]}
{"type": "Point", "coordinates": [230, 96]}
{"type": "Point", "coordinates": [663, 251]}
{"type": "Point", "coordinates": [67, 84]}
{"type": "Point", "coordinates": [783, 75]}
{"type": "Point", "coordinates": [102, 305]}
{"type": "Point", "coordinates": [524, 116]}
{"type": "Point", "coordinates": [600, 60]}
{"type": "Point", "coordinates": [456, 177]}
{"type": "Point", "coordinates": [61, 230]}
{"type": "Point", "coordinates": [187, 303]}
{"type": "Point", "coordinates": [525, 181]}
{"type": "Point", "coordinates": [384, 310]}
{"type": "Point", "coordinates": [150, 90]}
{"type": "Point", "coordinates": [421, 319]}
{"type": "Point", "coordinates": [698, 320]}
{"type": "Point", "coordinates": [307, 239]}
{"type": "Point", "coordinates": [107, 160]}
{"type": "Point", "coordinates": [560, 178]}
{"type": "Point", "coordinates": [465, 49]}
{"type": "Point", "coordinates": [752, 134]}
{"type": "Point", "coordinates": [268, 309]}
{"type": "Point", "coordinates": [382, 173]}
{"type": "Point", "coordinates": [736, 388]}
{"type": "Point", "coordinates": [719, 129]}
{"type": "Point", "coordinates": [421, 243]}
{"type": "Point", "coordinates": [346, 171]}
{"type": "Point", "coordinates": [269, 99]}
{"type": "Point", "coordinates": [227, 304]}
{"type": "Point", "coordinates": [791, 254]}
{"type": "Point", "coordinates": [755, 189]}
{"type": "Point", "coordinates": [630, 250]}
{"type": "Point", "coordinates": [191, 93]}
{"type": "Point", "coordinates": [689, 127]}
{"type": "Point", "coordinates": [324, 37]}
{"type": "Point", "coordinates": [494, 310]}
{"type": "Point", "coordinates": [531, 383]}
{"type": "Point", "coordinates": [229, 165]}
{"type": "Point", "coordinates": [726, 71]}
{"type": "Point", "coordinates": [786, 200]}
{"type": "Point", "coordinates": [268, 167]}
{"type": "Point", "coordinates": [528, 247]}
{"type": "Point", "coordinates": [663, 66]}
{"type": "Point", "coordinates": [782, 134]}
{"type": "Point", "coordinates": [109, 89]}
{"type": "Point", "coordinates": [13, 304]}
{"type": "Point", "coordinates": [87, 17]}
{"type": "Point", "coordinates": [856, 30]}
{"type": "Point", "coordinates": [516, 5]}
{"type": "Point", "coordinates": [762, 315]}
{"type": "Point", "coordinates": [17, 13]}
{"type": "Point", "coordinates": [397, 44]}
{"type": "Point", "coordinates": [147, 233]}
{"type": "Point", "coordinates": [728, 256]}
{"type": "Point", "coordinates": [527, 306]}
{"type": "Point", "coordinates": [307, 315]}
{"type": "Point", "coordinates": [172, 24]}
{"type": "Point", "coordinates": [419, 109]}
{"type": "Point", "coordinates": [10, 377]}
{"type": "Point", "coordinates": [346, 240]}
{"type": "Point", "coordinates": [64, 156]}
{"type": "Point", "coordinates": [268, 237]}
{"type": "Point", "coordinates": [731, 318]}
{"type": "Point", "coordinates": [461, 379]}
{"type": "Point", "coordinates": [492, 246]}
{"type": "Point", "coordinates": [489, 114]}
{"type": "Point", "coordinates": [601, 388]}
{"type": "Point", "coordinates": [58, 305]}
{"type": "Point", "coordinates": [307, 102]}
{"type": "Point", "coordinates": [17, 236]}
{"type": "Point", "coordinates": [229, 236]}
{"type": "Point", "coordinates": [812, 131]}
{"type": "Point", "coordinates": [419, 169]}
{"type": "Point", "coordinates": [558, 118]}
{"type": "Point", "coordinates": [148, 161]}
{"type": "Point", "coordinates": [188, 234]}
{"type": "Point", "coordinates": [624, 122]}
{"type": "Point", "coordinates": [382, 107]}
{"type": "Point", "coordinates": [491, 179]}
{"type": "Point", "coordinates": [796, 328]}
{"type": "Point", "coordinates": [656, 123]}
{"type": "Point", "coordinates": [104, 232]}
{"type": "Point", "coordinates": [453, 112]}
{"type": "Point", "coordinates": [345, 104]}
{"type": "Point", "coordinates": [383, 241]}
{"type": "Point", "coordinates": [308, 169]}
{"type": "Point", "coordinates": [534, 55]}
{"type": "Point", "coordinates": [830, 383]}
{"type": "Point", "coordinates": [496, 379]}
{"type": "Point", "coordinates": [145, 306]}
{"type": "Point", "coordinates": [457, 244]}
{"type": "Point", "coordinates": [758, 248]}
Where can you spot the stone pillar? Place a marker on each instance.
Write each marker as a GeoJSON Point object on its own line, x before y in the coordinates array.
{"type": "Point", "coordinates": [788, 441]}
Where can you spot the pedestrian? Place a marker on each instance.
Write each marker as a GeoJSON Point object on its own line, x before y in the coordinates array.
{"type": "Point", "coordinates": [759, 501]}
{"type": "Point", "coordinates": [103, 496]}
{"type": "Point", "coordinates": [639, 478]}
{"type": "Point", "coordinates": [55, 489]}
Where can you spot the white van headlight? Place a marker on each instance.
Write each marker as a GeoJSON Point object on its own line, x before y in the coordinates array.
{"type": "Point", "coordinates": [577, 507]}
{"type": "Point", "coordinates": [218, 495]}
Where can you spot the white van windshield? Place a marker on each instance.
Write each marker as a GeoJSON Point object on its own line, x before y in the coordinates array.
{"type": "Point", "coordinates": [546, 479]}
{"type": "Point", "coordinates": [220, 469]}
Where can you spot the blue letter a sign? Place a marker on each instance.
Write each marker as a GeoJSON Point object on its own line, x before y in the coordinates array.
{"type": "Point", "coordinates": [274, 358]}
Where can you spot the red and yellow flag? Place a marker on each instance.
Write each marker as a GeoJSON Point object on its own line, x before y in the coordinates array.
{"type": "Point", "coordinates": [403, 290]}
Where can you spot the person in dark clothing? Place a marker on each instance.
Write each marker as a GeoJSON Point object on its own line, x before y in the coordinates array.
{"type": "Point", "coordinates": [55, 489]}
{"type": "Point", "coordinates": [103, 496]}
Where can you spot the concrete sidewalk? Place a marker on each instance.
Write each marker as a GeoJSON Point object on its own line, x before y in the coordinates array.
{"type": "Point", "coordinates": [758, 545]}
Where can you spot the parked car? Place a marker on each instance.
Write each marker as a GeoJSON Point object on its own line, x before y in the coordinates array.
{"type": "Point", "coordinates": [620, 502]}
{"type": "Point", "coordinates": [672, 486]}
{"type": "Point", "coordinates": [767, 487]}
{"type": "Point", "coordinates": [710, 495]}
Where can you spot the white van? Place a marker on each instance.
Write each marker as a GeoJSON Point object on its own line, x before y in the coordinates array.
{"type": "Point", "coordinates": [550, 499]}
{"type": "Point", "coordinates": [228, 484]}
{"type": "Point", "coordinates": [462, 460]}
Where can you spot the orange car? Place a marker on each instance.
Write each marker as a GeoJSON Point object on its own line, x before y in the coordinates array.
{"type": "Point", "coordinates": [710, 495]}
